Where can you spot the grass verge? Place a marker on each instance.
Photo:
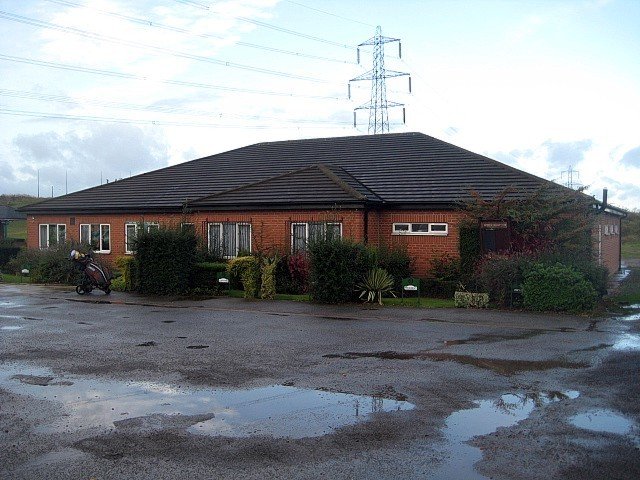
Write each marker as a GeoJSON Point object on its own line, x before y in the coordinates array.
{"type": "Point", "coordinates": [8, 278]}
{"type": "Point", "coordinates": [631, 249]}
{"type": "Point", "coordinates": [629, 288]}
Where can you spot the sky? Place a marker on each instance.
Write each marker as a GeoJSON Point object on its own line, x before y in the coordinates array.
{"type": "Point", "coordinates": [93, 91]}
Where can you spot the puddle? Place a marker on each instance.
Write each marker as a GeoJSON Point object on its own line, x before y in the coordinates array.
{"type": "Point", "coordinates": [628, 341]}
{"type": "Point", "coordinates": [498, 365]}
{"type": "Point", "coordinates": [6, 304]}
{"type": "Point", "coordinates": [11, 328]}
{"type": "Point", "coordinates": [278, 411]}
{"type": "Point", "coordinates": [606, 421]}
{"type": "Point", "coordinates": [147, 344]}
{"type": "Point", "coordinates": [492, 338]}
{"type": "Point", "coordinates": [196, 347]}
{"type": "Point", "coordinates": [486, 418]}
{"type": "Point", "coordinates": [168, 321]}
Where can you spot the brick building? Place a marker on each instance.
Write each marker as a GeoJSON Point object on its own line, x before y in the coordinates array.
{"type": "Point", "coordinates": [379, 189]}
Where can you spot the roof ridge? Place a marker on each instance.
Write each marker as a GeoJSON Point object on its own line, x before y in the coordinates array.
{"type": "Point", "coordinates": [339, 182]}
{"type": "Point", "coordinates": [252, 184]}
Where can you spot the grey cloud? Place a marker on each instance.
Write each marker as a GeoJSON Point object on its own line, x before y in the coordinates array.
{"type": "Point", "coordinates": [632, 158]}
{"type": "Point", "coordinates": [116, 151]}
{"type": "Point", "coordinates": [563, 154]}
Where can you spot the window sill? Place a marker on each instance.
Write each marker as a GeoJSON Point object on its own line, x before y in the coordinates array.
{"type": "Point", "coordinates": [420, 234]}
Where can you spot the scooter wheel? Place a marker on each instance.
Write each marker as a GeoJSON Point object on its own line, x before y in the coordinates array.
{"type": "Point", "coordinates": [80, 290]}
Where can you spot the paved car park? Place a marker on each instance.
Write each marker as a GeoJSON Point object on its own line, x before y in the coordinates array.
{"type": "Point", "coordinates": [124, 386]}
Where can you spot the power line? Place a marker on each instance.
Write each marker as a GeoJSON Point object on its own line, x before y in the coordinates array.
{"type": "Point", "coordinates": [149, 23]}
{"type": "Point", "coordinates": [330, 14]}
{"type": "Point", "coordinates": [268, 25]}
{"type": "Point", "coordinates": [130, 76]}
{"type": "Point", "coordinates": [147, 108]}
{"type": "Point", "coordinates": [93, 118]}
{"type": "Point", "coordinates": [168, 51]}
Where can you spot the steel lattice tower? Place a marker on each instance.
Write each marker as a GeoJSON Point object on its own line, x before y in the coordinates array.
{"type": "Point", "coordinates": [378, 105]}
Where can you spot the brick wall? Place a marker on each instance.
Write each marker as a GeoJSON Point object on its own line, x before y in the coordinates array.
{"type": "Point", "coordinates": [272, 229]}
{"type": "Point", "coordinates": [607, 241]}
{"type": "Point", "coordinates": [422, 248]}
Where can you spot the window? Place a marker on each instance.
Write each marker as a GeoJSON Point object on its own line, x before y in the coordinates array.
{"type": "Point", "coordinates": [420, 229]}
{"type": "Point", "coordinates": [131, 232]}
{"type": "Point", "coordinates": [303, 233]}
{"type": "Point", "coordinates": [52, 234]}
{"type": "Point", "coordinates": [96, 235]}
{"type": "Point", "coordinates": [229, 238]}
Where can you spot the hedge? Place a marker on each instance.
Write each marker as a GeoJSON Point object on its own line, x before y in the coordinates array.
{"type": "Point", "coordinates": [557, 288]}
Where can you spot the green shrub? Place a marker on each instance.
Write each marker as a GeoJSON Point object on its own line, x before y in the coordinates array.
{"type": "Point", "coordinates": [557, 288]}
{"type": "Point", "coordinates": [47, 266]}
{"type": "Point", "coordinates": [128, 270]}
{"type": "Point", "coordinates": [336, 267]}
{"type": "Point", "coordinates": [500, 275]}
{"type": "Point", "coordinates": [7, 251]}
{"type": "Point", "coordinates": [443, 277]}
{"type": "Point", "coordinates": [204, 277]}
{"type": "Point", "coordinates": [397, 262]}
{"type": "Point", "coordinates": [268, 287]}
{"type": "Point", "coordinates": [469, 248]}
{"type": "Point", "coordinates": [247, 269]}
{"type": "Point", "coordinates": [165, 260]}
{"type": "Point", "coordinates": [595, 274]}
{"type": "Point", "coordinates": [118, 284]}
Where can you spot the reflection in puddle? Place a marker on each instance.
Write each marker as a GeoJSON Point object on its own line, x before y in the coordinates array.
{"type": "Point", "coordinates": [10, 304]}
{"type": "Point", "coordinates": [486, 418]}
{"type": "Point", "coordinates": [11, 327]}
{"type": "Point", "coordinates": [279, 411]}
{"type": "Point", "coordinates": [603, 421]}
{"type": "Point", "coordinates": [628, 341]}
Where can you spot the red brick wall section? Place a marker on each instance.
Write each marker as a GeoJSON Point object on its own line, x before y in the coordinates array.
{"type": "Point", "coordinates": [422, 248]}
{"type": "Point", "coordinates": [607, 241]}
{"type": "Point", "coordinates": [271, 229]}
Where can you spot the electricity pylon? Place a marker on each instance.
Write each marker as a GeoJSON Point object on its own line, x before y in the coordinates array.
{"type": "Point", "coordinates": [378, 105]}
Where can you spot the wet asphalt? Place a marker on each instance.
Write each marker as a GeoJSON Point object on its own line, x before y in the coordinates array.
{"type": "Point", "coordinates": [124, 386]}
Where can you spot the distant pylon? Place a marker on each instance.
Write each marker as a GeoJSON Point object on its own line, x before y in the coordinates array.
{"type": "Point", "coordinates": [570, 182]}
{"type": "Point", "coordinates": [378, 105]}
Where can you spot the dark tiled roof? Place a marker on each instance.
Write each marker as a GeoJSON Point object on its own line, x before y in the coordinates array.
{"type": "Point", "coordinates": [9, 213]}
{"type": "Point", "coordinates": [402, 169]}
{"type": "Point", "coordinates": [317, 185]}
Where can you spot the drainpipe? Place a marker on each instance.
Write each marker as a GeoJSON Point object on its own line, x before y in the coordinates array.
{"type": "Point", "coordinates": [366, 226]}
{"type": "Point", "coordinates": [599, 244]}
{"type": "Point", "coordinates": [620, 245]}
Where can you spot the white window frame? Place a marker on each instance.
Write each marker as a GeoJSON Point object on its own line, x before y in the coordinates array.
{"type": "Point", "coordinates": [100, 237]}
{"type": "Point", "coordinates": [220, 246]}
{"type": "Point", "coordinates": [49, 225]}
{"type": "Point", "coordinates": [136, 225]}
{"type": "Point", "coordinates": [307, 231]}
{"type": "Point", "coordinates": [409, 228]}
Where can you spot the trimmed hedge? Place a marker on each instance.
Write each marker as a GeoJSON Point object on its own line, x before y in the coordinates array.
{"type": "Point", "coordinates": [165, 260]}
{"type": "Point", "coordinates": [205, 275]}
{"type": "Point", "coordinates": [557, 288]}
{"type": "Point", "coordinates": [337, 265]}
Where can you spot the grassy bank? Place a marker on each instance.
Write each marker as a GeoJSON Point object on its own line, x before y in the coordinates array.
{"type": "Point", "coordinates": [631, 249]}
{"type": "Point", "coordinates": [630, 288]}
